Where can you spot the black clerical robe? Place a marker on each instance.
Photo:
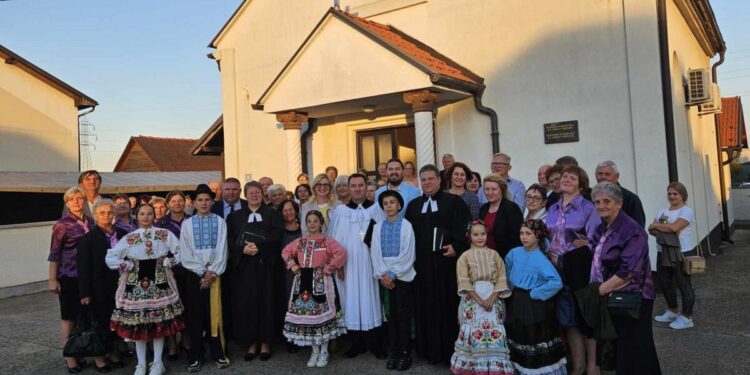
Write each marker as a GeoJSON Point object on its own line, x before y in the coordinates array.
{"type": "Point", "coordinates": [252, 276]}
{"type": "Point", "coordinates": [437, 291]}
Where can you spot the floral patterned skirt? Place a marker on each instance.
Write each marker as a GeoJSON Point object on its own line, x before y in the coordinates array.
{"type": "Point", "coordinates": [147, 305]}
{"type": "Point", "coordinates": [313, 316]}
{"type": "Point", "coordinates": [481, 347]}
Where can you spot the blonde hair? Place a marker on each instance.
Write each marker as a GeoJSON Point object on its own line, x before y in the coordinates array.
{"type": "Point", "coordinates": [496, 178]}
{"type": "Point", "coordinates": [156, 200]}
{"type": "Point", "coordinates": [316, 180]}
{"type": "Point", "coordinates": [71, 193]}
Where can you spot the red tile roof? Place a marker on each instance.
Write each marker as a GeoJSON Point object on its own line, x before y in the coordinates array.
{"type": "Point", "coordinates": [415, 49]}
{"type": "Point", "coordinates": [167, 155]}
{"type": "Point", "coordinates": [732, 123]}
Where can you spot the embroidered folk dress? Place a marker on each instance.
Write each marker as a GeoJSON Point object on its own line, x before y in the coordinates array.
{"type": "Point", "coordinates": [313, 317]}
{"type": "Point", "coordinates": [147, 305]}
{"type": "Point", "coordinates": [481, 347]}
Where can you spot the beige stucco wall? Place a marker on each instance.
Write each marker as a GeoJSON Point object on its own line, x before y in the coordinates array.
{"type": "Point", "coordinates": [696, 135]}
{"type": "Point", "coordinates": [38, 124]}
{"type": "Point", "coordinates": [587, 60]}
{"type": "Point", "coordinates": [24, 249]}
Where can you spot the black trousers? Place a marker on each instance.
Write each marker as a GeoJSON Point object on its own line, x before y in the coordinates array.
{"type": "Point", "coordinates": [197, 303]}
{"type": "Point", "coordinates": [401, 314]}
{"type": "Point", "coordinates": [668, 276]}
{"type": "Point", "coordinates": [635, 349]}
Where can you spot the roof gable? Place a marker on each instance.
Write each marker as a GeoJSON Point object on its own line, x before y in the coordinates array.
{"type": "Point", "coordinates": [165, 155]}
{"type": "Point", "coordinates": [232, 19]}
{"type": "Point", "coordinates": [81, 100]}
{"type": "Point", "coordinates": [439, 69]}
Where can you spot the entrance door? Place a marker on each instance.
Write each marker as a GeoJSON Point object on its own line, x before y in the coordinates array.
{"type": "Point", "coordinates": [380, 145]}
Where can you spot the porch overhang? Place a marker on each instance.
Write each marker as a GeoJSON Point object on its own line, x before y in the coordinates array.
{"type": "Point", "coordinates": [348, 64]}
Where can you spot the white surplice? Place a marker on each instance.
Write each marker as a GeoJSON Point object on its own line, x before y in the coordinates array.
{"type": "Point", "coordinates": [360, 298]}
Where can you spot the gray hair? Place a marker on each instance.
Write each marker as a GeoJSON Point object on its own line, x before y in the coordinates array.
{"type": "Point", "coordinates": [341, 180]}
{"type": "Point", "coordinates": [608, 188]}
{"type": "Point", "coordinates": [608, 163]}
{"type": "Point", "coordinates": [502, 155]}
{"type": "Point", "coordinates": [104, 202]}
{"type": "Point", "coordinates": [275, 188]}
{"type": "Point", "coordinates": [449, 156]}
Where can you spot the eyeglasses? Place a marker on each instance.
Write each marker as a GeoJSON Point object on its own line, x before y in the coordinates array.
{"type": "Point", "coordinates": [499, 164]}
{"type": "Point", "coordinates": [533, 198]}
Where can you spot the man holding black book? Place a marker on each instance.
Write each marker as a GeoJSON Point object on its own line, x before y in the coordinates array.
{"type": "Point", "coordinates": [440, 222]}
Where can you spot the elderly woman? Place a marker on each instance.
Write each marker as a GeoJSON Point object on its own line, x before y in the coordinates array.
{"type": "Point", "coordinates": [276, 194]}
{"type": "Point", "coordinates": [160, 208]}
{"type": "Point", "coordinates": [254, 238]}
{"type": "Point", "coordinates": [536, 200]}
{"type": "Point", "coordinates": [457, 174]}
{"type": "Point", "coordinates": [302, 193]}
{"type": "Point", "coordinates": [410, 174]}
{"type": "Point", "coordinates": [97, 283]}
{"type": "Point", "coordinates": [123, 219]}
{"type": "Point", "coordinates": [341, 188]}
{"type": "Point", "coordinates": [322, 200]}
{"type": "Point", "coordinates": [172, 221]}
{"type": "Point", "coordinates": [63, 268]}
{"type": "Point", "coordinates": [621, 263]}
{"type": "Point", "coordinates": [501, 215]}
{"type": "Point", "coordinates": [572, 221]}
{"type": "Point", "coordinates": [678, 218]}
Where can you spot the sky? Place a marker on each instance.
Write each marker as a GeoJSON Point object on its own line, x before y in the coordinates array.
{"type": "Point", "coordinates": [145, 61]}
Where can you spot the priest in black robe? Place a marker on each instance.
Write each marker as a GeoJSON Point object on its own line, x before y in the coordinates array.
{"type": "Point", "coordinates": [439, 220]}
{"type": "Point", "coordinates": [254, 238]}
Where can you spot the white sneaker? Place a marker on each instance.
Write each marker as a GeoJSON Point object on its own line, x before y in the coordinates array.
{"type": "Point", "coordinates": [667, 317]}
{"type": "Point", "coordinates": [157, 368]}
{"type": "Point", "coordinates": [681, 323]}
{"type": "Point", "coordinates": [313, 361]}
{"type": "Point", "coordinates": [141, 369]}
{"type": "Point", "coordinates": [322, 360]}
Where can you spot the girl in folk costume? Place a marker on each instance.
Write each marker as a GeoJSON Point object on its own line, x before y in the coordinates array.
{"type": "Point", "coordinates": [203, 253]}
{"type": "Point", "coordinates": [314, 315]}
{"type": "Point", "coordinates": [481, 347]}
{"type": "Point", "coordinates": [147, 305]}
{"type": "Point", "coordinates": [533, 331]}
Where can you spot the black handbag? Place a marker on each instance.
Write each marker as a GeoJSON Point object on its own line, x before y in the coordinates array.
{"type": "Point", "coordinates": [624, 304]}
{"type": "Point", "coordinates": [87, 340]}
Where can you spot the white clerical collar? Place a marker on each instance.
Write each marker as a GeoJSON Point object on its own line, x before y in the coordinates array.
{"type": "Point", "coordinates": [254, 217]}
{"type": "Point", "coordinates": [396, 188]}
{"type": "Point", "coordinates": [431, 203]}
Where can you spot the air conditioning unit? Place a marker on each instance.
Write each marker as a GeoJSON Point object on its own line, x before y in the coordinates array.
{"type": "Point", "coordinates": [712, 106]}
{"type": "Point", "coordinates": [699, 86]}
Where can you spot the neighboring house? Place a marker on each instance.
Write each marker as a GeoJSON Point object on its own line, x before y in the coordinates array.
{"type": "Point", "coordinates": [38, 117]}
{"type": "Point", "coordinates": [153, 154]}
{"type": "Point", "coordinates": [305, 86]}
{"type": "Point", "coordinates": [211, 143]}
{"type": "Point", "coordinates": [732, 129]}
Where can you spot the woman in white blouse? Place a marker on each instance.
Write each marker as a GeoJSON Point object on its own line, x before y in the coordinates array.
{"type": "Point", "coordinates": [147, 305]}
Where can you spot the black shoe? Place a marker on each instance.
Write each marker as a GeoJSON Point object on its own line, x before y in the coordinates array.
{"type": "Point", "coordinates": [194, 367]}
{"type": "Point", "coordinates": [249, 356]}
{"type": "Point", "coordinates": [355, 350]}
{"type": "Point", "coordinates": [392, 362]}
{"type": "Point", "coordinates": [103, 369]}
{"type": "Point", "coordinates": [379, 352]}
{"type": "Point", "coordinates": [404, 362]}
{"type": "Point", "coordinates": [116, 364]}
{"type": "Point", "coordinates": [264, 356]}
{"type": "Point", "coordinates": [73, 370]}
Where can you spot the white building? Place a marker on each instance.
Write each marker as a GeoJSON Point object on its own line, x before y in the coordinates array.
{"type": "Point", "coordinates": [305, 86]}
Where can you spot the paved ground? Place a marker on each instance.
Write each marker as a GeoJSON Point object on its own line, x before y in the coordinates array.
{"type": "Point", "coordinates": [719, 344]}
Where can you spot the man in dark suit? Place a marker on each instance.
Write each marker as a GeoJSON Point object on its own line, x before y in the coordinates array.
{"type": "Point", "coordinates": [631, 204]}
{"type": "Point", "coordinates": [230, 198]}
{"type": "Point", "coordinates": [230, 202]}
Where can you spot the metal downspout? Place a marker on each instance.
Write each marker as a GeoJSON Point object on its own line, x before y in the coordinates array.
{"type": "Point", "coordinates": [666, 91]}
{"type": "Point", "coordinates": [494, 133]}
{"type": "Point", "coordinates": [725, 235]}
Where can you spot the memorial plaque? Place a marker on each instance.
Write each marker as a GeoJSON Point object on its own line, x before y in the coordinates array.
{"type": "Point", "coordinates": [561, 132]}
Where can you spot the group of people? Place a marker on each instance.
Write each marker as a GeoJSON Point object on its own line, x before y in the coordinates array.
{"type": "Point", "coordinates": [481, 274]}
